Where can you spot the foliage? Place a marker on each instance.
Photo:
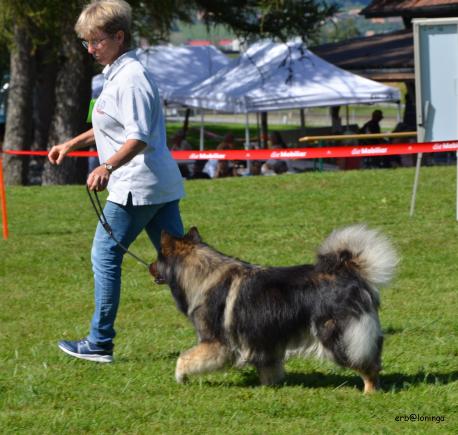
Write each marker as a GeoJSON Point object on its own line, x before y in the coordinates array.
{"type": "Point", "coordinates": [351, 3]}
{"type": "Point", "coordinates": [45, 20]}
{"type": "Point", "coordinates": [46, 295]}
{"type": "Point", "coordinates": [269, 18]}
{"type": "Point", "coordinates": [335, 31]}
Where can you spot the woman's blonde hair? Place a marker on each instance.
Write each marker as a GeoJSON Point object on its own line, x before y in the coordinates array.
{"type": "Point", "coordinates": [108, 16]}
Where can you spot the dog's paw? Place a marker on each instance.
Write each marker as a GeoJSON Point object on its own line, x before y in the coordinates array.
{"type": "Point", "coordinates": [180, 377]}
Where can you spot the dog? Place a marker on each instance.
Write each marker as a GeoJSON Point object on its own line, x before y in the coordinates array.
{"type": "Point", "coordinates": [249, 314]}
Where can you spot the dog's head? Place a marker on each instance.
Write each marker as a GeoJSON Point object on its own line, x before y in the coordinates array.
{"type": "Point", "coordinates": [173, 250]}
{"type": "Point", "coordinates": [172, 246]}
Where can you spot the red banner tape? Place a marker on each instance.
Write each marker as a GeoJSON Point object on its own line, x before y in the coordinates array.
{"type": "Point", "coordinates": [291, 153]}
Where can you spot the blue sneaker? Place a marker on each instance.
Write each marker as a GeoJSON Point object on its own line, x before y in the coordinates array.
{"type": "Point", "coordinates": [84, 349]}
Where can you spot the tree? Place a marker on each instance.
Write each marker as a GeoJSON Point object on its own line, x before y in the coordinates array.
{"type": "Point", "coordinates": [34, 28]}
{"type": "Point", "coordinates": [18, 121]}
{"type": "Point", "coordinates": [72, 92]}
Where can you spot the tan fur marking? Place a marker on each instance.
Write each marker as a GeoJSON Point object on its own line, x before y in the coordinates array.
{"type": "Point", "coordinates": [330, 324]}
{"type": "Point", "coordinates": [170, 246]}
{"type": "Point", "coordinates": [182, 248]}
{"type": "Point", "coordinates": [202, 271]}
{"type": "Point", "coordinates": [325, 277]}
{"type": "Point", "coordinates": [371, 382]}
{"type": "Point", "coordinates": [203, 358]}
{"type": "Point", "coordinates": [230, 301]}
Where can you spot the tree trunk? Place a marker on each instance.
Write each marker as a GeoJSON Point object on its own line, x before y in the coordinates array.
{"type": "Point", "coordinates": [72, 94]}
{"type": "Point", "coordinates": [43, 108]}
{"type": "Point", "coordinates": [18, 131]}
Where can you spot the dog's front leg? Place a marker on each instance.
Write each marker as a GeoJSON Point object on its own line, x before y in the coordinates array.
{"type": "Point", "coordinates": [206, 357]}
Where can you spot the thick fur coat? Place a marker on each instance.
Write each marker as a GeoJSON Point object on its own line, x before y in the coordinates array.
{"type": "Point", "coordinates": [250, 314]}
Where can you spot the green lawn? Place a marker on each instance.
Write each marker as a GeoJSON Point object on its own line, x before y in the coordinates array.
{"type": "Point", "coordinates": [46, 295]}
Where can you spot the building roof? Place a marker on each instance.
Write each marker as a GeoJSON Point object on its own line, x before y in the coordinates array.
{"type": "Point", "coordinates": [382, 57]}
{"type": "Point", "coordinates": [199, 43]}
{"type": "Point", "coordinates": [411, 8]}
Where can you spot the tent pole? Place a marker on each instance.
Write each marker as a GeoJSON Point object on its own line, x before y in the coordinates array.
{"type": "Point", "coordinates": [457, 185]}
{"type": "Point", "coordinates": [302, 115]}
{"type": "Point", "coordinates": [247, 140]}
{"type": "Point", "coordinates": [347, 116]}
{"type": "Point", "coordinates": [247, 132]}
{"type": "Point", "coordinates": [201, 147]}
{"type": "Point", "coordinates": [258, 128]}
{"type": "Point", "coordinates": [415, 184]}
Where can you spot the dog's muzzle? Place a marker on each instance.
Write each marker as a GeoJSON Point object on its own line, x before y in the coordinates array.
{"type": "Point", "coordinates": [155, 274]}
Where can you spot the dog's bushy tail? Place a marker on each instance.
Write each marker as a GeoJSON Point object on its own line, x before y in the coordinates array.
{"type": "Point", "coordinates": [369, 251]}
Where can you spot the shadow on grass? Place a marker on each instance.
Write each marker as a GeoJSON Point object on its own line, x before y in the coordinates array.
{"type": "Point", "coordinates": [389, 382]}
{"type": "Point", "coordinates": [399, 381]}
{"type": "Point", "coordinates": [392, 382]}
{"type": "Point", "coordinates": [148, 357]}
{"type": "Point", "coordinates": [390, 330]}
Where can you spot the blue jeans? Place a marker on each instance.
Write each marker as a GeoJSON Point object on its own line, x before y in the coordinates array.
{"type": "Point", "coordinates": [126, 222]}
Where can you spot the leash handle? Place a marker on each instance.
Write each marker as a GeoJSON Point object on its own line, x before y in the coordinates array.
{"type": "Point", "coordinates": [106, 226]}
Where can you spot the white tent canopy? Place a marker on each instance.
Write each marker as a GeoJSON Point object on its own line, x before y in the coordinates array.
{"type": "Point", "coordinates": [175, 67]}
{"type": "Point", "coordinates": [275, 76]}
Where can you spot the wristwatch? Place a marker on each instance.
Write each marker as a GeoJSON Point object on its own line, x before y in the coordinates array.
{"type": "Point", "coordinates": [108, 167]}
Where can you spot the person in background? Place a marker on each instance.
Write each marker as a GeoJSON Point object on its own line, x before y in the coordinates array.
{"type": "Point", "coordinates": [226, 168]}
{"type": "Point", "coordinates": [373, 127]}
{"type": "Point", "coordinates": [143, 181]}
{"type": "Point", "coordinates": [256, 166]}
{"type": "Point", "coordinates": [275, 166]}
{"type": "Point", "coordinates": [227, 143]}
{"type": "Point", "coordinates": [179, 143]}
{"type": "Point", "coordinates": [221, 168]}
{"type": "Point", "coordinates": [405, 159]}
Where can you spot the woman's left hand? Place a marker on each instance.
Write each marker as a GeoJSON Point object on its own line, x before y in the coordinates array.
{"type": "Point", "coordinates": [98, 179]}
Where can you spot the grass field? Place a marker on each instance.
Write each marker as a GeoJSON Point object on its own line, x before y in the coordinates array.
{"type": "Point", "coordinates": [46, 295]}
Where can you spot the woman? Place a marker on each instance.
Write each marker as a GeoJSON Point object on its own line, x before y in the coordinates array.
{"type": "Point", "coordinates": [142, 178]}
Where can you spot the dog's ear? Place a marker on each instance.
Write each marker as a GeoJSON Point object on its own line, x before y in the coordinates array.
{"type": "Point", "coordinates": [167, 243]}
{"type": "Point", "coordinates": [193, 235]}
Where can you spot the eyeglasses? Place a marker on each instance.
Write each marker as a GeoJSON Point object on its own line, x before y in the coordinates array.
{"type": "Point", "coordinates": [94, 43]}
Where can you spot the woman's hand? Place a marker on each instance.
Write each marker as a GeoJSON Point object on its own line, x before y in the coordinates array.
{"type": "Point", "coordinates": [98, 179]}
{"type": "Point", "coordinates": [58, 152]}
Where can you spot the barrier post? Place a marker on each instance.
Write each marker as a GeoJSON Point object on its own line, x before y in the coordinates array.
{"type": "Point", "coordinates": [3, 202]}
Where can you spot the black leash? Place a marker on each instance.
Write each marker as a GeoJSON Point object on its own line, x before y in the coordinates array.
{"type": "Point", "coordinates": [103, 220]}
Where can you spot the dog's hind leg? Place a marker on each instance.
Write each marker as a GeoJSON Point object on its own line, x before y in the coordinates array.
{"type": "Point", "coordinates": [206, 357]}
{"type": "Point", "coordinates": [271, 375]}
{"type": "Point", "coordinates": [364, 342]}
{"type": "Point", "coordinates": [355, 343]}
{"type": "Point", "coordinates": [371, 380]}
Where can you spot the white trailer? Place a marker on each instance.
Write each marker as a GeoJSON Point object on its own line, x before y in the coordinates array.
{"type": "Point", "coordinates": [436, 84]}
